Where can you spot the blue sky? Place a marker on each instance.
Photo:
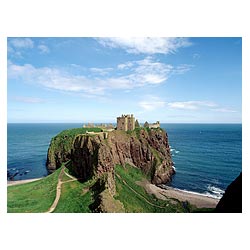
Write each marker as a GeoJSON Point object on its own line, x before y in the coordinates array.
{"type": "Point", "coordinates": [174, 80]}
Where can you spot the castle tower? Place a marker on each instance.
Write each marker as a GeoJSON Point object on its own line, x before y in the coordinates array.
{"type": "Point", "coordinates": [126, 122]}
{"type": "Point", "coordinates": [131, 122]}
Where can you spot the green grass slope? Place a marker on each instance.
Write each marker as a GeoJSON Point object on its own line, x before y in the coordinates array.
{"type": "Point", "coordinates": [34, 197]}
{"type": "Point", "coordinates": [134, 197]}
{"type": "Point", "coordinates": [76, 197]}
{"type": "Point", "coordinates": [79, 197]}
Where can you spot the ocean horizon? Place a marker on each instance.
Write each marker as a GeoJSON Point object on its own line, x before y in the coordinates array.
{"type": "Point", "coordinates": [207, 156]}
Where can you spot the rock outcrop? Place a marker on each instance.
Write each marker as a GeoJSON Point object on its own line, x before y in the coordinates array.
{"type": "Point", "coordinates": [94, 155]}
{"type": "Point", "coordinates": [97, 155]}
{"type": "Point", "coordinates": [59, 151]}
{"type": "Point", "coordinates": [231, 201]}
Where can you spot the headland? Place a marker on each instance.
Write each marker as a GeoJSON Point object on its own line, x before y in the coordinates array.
{"type": "Point", "coordinates": [114, 170]}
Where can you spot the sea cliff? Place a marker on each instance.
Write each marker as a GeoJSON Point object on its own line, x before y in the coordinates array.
{"type": "Point", "coordinates": [97, 153]}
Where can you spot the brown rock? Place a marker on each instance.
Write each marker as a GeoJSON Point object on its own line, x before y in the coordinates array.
{"type": "Point", "coordinates": [91, 155]}
{"type": "Point", "coordinates": [96, 156]}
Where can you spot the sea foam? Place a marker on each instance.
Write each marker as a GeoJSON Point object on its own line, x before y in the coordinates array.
{"type": "Point", "coordinates": [207, 194]}
{"type": "Point", "coordinates": [215, 191]}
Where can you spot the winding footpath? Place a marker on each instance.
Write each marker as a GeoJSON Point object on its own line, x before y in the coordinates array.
{"type": "Point", "coordinates": [59, 187]}
{"type": "Point", "coordinates": [72, 178]}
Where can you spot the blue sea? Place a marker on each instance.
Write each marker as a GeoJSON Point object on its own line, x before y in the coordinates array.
{"type": "Point", "coordinates": [207, 157]}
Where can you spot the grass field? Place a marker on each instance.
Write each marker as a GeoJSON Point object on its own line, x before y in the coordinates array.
{"type": "Point", "coordinates": [135, 198]}
{"type": "Point", "coordinates": [78, 197]}
{"type": "Point", "coordinates": [34, 197]}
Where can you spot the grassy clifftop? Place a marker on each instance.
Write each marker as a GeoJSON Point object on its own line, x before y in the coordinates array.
{"type": "Point", "coordinates": [83, 197]}
{"type": "Point", "coordinates": [91, 154]}
{"type": "Point", "coordinates": [61, 144]}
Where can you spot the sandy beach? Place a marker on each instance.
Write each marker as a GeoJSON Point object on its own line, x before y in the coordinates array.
{"type": "Point", "coordinates": [12, 183]}
{"type": "Point", "coordinates": [195, 199]}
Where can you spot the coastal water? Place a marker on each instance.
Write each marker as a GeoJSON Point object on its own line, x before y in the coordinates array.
{"type": "Point", "coordinates": [207, 157]}
{"type": "Point", "coordinates": [27, 148]}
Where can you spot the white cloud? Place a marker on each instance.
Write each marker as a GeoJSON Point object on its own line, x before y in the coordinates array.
{"type": "Point", "coordinates": [16, 46]}
{"type": "Point", "coordinates": [191, 105]}
{"type": "Point", "coordinates": [43, 49]}
{"type": "Point", "coordinates": [199, 105]}
{"type": "Point", "coordinates": [10, 49]}
{"type": "Point", "coordinates": [224, 110]}
{"type": "Point", "coordinates": [151, 103]}
{"type": "Point", "coordinates": [21, 43]}
{"type": "Point", "coordinates": [149, 71]}
{"type": "Point", "coordinates": [181, 69]}
{"type": "Point", "coordinates": [101, 71]}
{"type": "Point", "coordinates": [26, 99]}
{"type": "Point", "coordinates": [196, 56]}
{"type": "Point", "coordinates": [125, 65]}
{"type": "Point", "coordinates": [95, 81]}
{"type": "Point", "coordinates": [53, 78]}
{"type": "Point", "coordinates": [115, 83]}
{"type": "Point", "coordinates": [145, 45]}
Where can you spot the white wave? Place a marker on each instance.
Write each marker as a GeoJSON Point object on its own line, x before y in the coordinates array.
{"type": "Point", "coordinates": [173, 150]}
{"type": "Point", "coordinates": [206, 194]}
{"type": "Point", "coordinates": [215, 191]}
{"type": "Point", "coordinates": [212, 195]}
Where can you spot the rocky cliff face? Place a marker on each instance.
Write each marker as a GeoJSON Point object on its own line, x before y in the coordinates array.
{"type": "Point", "coordinates": [94, 155]}
{"type": "Point", "coordinates": [148, 151]}
{"type": "Point", "coordinates": [59, 151]}
{"type": "Point", "coordinates": [97, 155]}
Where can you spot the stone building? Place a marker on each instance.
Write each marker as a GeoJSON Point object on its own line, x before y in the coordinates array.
{"type": "Point", "coordinates": [154, 125]}
{"type": "Point", "coordinates": [126, 122]}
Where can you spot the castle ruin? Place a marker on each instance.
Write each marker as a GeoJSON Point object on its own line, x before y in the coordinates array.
{"type": "Point", "coordinates": [126, 122]}
{"type": "Point", "coordinates": [154, 125]}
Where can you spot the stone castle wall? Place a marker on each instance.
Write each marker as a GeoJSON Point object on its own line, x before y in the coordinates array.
{"type": "Point", "coordinates": [154, 125]}
{"type": "Point", "coordinates": [126, 122]}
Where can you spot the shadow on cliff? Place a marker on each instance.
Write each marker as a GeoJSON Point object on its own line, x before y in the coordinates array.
{"type": "Point", "coordinates": [96, 189]}
{"type": "Point", "coordinates": [74, 174]}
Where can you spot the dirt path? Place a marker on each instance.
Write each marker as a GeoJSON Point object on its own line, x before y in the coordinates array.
{"type": "Point", "coordinates": [70, 176]}
{"type": "Point", "coordinates": [59, 188]}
